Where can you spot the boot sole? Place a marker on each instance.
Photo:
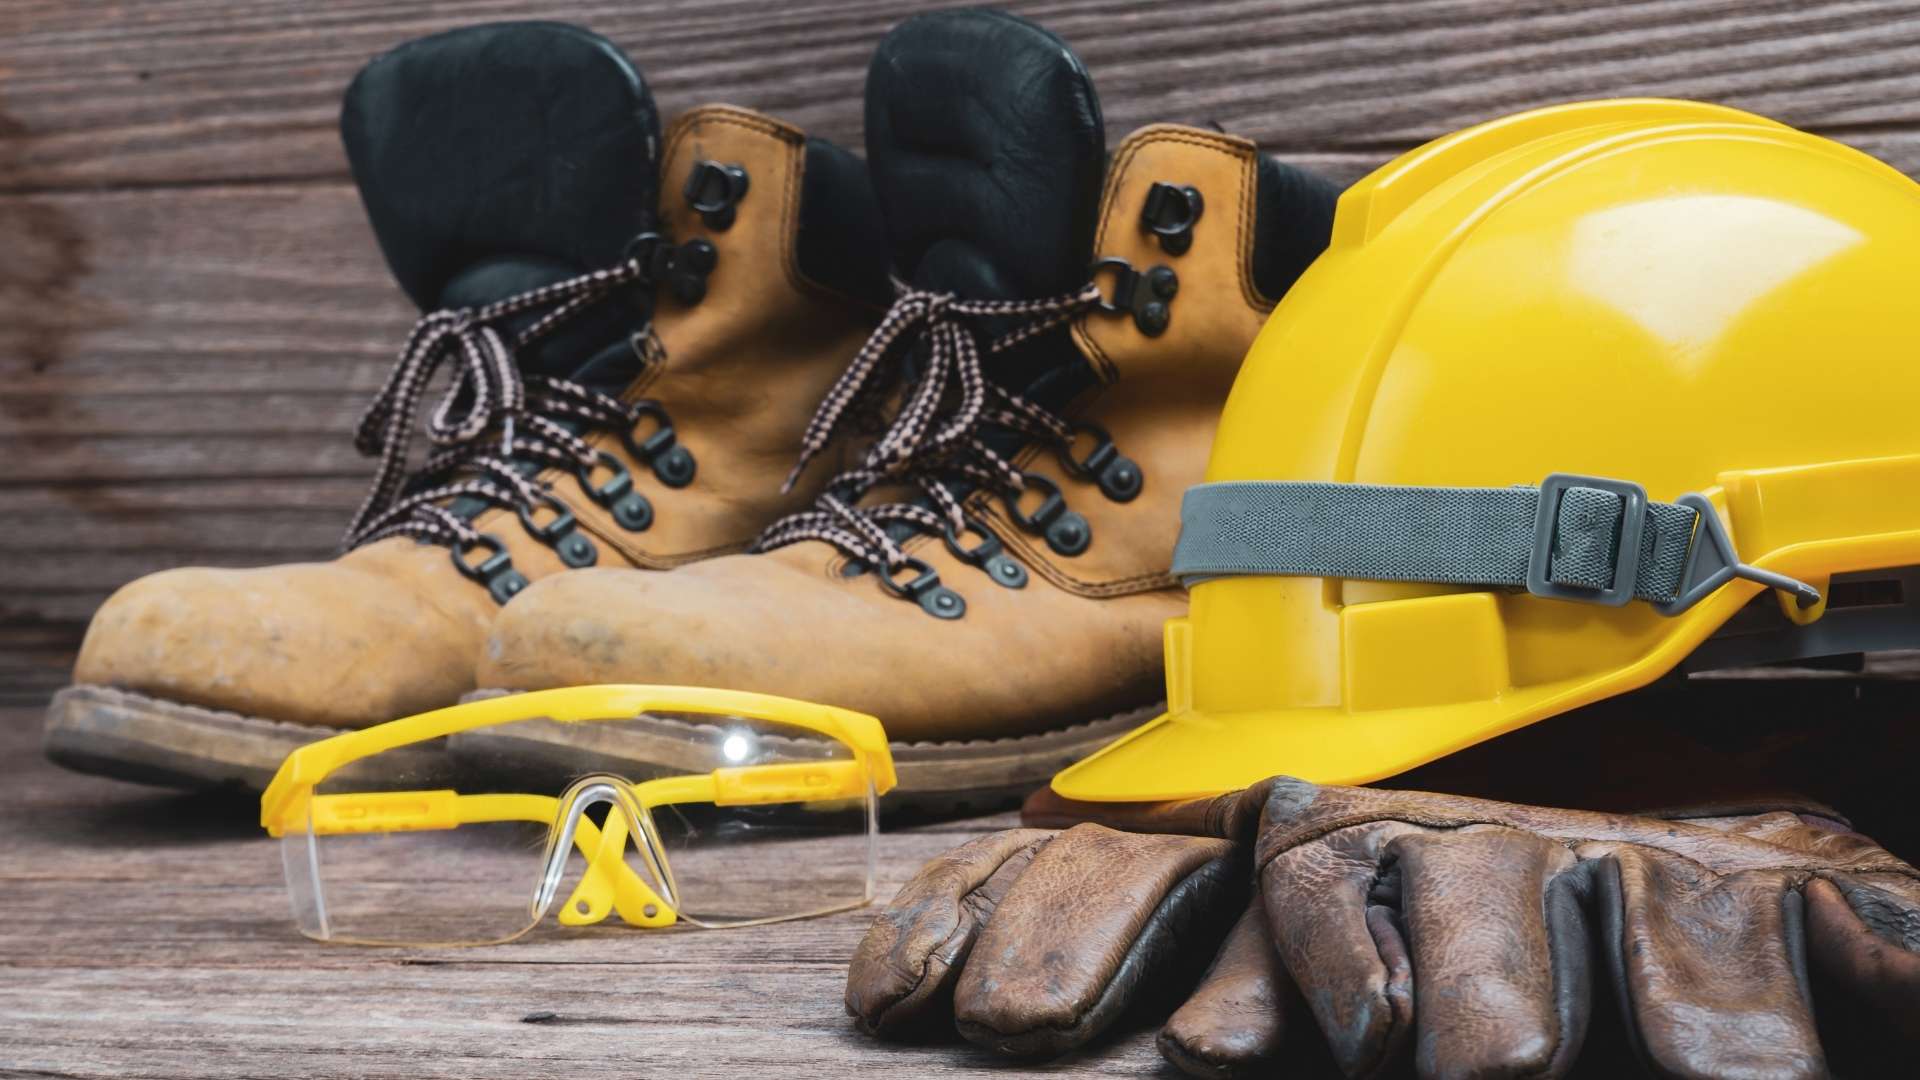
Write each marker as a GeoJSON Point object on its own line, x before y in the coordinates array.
{"type": "Point", "coordinates": [149, 740]}
{"type": "Point", "coordinates": [935, 778]}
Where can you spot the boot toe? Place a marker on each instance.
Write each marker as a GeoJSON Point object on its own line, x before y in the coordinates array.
{"type": "Point", "coordinates": [607, 626]}
{"type": "Point", "coordinates": [321, 643]}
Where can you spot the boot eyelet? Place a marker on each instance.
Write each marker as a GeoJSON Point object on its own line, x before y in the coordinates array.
{"type": "Point", "coordinates": [576, 551]}
{"type": "Point", "coordinates": [1147, 296]}
{"type": "Point", "coordinates": [1170, 213]}
{"type": "Point", "coordinates": [684, 268]}
{"type": "Point", "coordinates": [1066, 531]}
{"type": "Point", "coordinates": [629, 508]}
{"type": "Point", "coordinates": [713, 190]}
{"type": "Point", "coordinates": [634, 513]}
{"type": "Point", "coordinates": [1119, 476]}
{"type": "Point", "coordinates": [924, 588]}
{"type": "Point", "coordinates": [989, 555]}
{"type": "Point", "coordinates": [560, 534]}
{"type": "Point", "coordinates": [1070, 534]}
{"type": "Point", "coordinates": [496, 571]}
{"type": "Point", "coordinates": [644, 248]}
{"type": "Point", "coordinates": [692, 262]}
{"type": "Point", "coordinates": [496, 560]}
{"type": "Point", "coordinates": [675, 466]}
{"type": "Point", "coordinates": [672, 463]}
{"type": "Point", "coordinates": [504, 587]}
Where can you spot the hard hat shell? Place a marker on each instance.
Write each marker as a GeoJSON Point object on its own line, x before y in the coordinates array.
{"type": "Point", "coordinates": [1680, 295]}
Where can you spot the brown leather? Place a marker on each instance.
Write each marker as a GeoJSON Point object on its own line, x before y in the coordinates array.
{"type": "Point", "coordinates": [385, 631]}
{"type": "Point", "coordinates": [745, 366]}
{"type": "Point", "coordinates": [394, 628]}
{"type": "Point", "coordinates": [1080, 642]}
{"type": "Point", "coordinates": [902, 977]}
{"type": "Point", "coordinates": [1161, 396]}
{"type": "Point", "coordinates": [1020, 994]}
{"type": "Point", "coordinates": [786, 623]}
{"type": "Point", "coordinates": [1046, 940]}
{"type": "Point", "coordinates": [1235, 1023]}
{"type": "Point", "coordinates": [1456, 936]}
{"type": "Point", "coordinates": [1457, 930]}
{"type": "Point", "coordinates": [738, 372]}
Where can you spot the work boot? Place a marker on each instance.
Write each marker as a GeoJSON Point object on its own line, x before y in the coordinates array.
{"type": "Point", "coordinates": [991, 580]}
{"type": "Point", "coordinates": [631, 370]}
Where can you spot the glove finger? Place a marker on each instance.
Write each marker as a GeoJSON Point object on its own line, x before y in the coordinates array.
{"type": "Point", "coordinates": [1099, 919]}
{"type": "Point", "coordinates": [1236, 1019]}
{"type": "Point", "coordinates": [1346, 953]}
{"type": "Point", "coordinates": [1863, 942]}
{"type": "Point", "coordinates": [1499, 946]}
{"type": "Point", "coordinates": [1710, 969]}
{"type": "Point", "coordinates": [902, 975]}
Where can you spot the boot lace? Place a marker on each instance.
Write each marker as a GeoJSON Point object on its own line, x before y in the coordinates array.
{"type": "Point", "coordinates": [493, 422]}
{"type": "Point", "coordinates": [935, 438]}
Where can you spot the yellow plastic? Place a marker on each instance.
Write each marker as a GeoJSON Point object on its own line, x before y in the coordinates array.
{"type": "Point", "coordinates": [1680, 295]}
{"type": "Point", "coordinates": [608, 884]}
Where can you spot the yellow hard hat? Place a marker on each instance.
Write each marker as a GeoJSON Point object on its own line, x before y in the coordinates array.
{"type": "Point", "coordinates": [1576, 398]}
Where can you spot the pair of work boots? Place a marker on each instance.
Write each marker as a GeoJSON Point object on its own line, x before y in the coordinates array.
{"type": "Point", "coordinates": [646, 331]}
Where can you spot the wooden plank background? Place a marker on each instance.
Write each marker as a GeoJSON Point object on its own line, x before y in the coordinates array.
{"type": "Point", "coordinates": [192, 311]}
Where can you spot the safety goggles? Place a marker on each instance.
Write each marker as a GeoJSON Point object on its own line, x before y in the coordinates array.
{"type": "Point", "coordinates": [751, 809]}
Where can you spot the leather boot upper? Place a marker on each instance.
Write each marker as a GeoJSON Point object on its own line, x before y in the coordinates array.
{"type": "Point", "coordinates": [1081, 638]}
{"type": "Point", "coordinates": [739, 345]}
{"type": "Point", "coordinates": [997, 561]}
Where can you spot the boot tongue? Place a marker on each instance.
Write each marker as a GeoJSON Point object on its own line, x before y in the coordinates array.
{"type": "Point", "coordinates": [499, 158]}
{"type": "Point", "coordinates": [987, 149]}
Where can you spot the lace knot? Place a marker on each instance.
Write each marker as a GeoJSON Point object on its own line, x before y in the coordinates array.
{"type": "Point", "coordinates": [934, 435]}
{"type": "Point", "coordinates": [486, 393]}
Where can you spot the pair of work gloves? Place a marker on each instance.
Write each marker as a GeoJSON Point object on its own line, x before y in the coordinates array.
{"type": "Point", "coordinates": [1444, 935]}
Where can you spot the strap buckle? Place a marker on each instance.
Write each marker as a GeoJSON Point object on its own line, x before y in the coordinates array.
{"type": "Point", "coordinates": [1712, 562]}
{"type": "Point", "coordinates": [1626, 552]}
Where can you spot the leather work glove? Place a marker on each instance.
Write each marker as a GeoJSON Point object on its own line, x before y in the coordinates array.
{"type": "Point", "coordinates": [1033, 942]}
{"type": "Point", "coordinates": [1479, 936]}
{"type": "Point", "coordinates": [1462, 936]}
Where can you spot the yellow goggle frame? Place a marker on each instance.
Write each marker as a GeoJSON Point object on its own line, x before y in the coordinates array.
{"type": "Point", "coordinates": [609, 883]}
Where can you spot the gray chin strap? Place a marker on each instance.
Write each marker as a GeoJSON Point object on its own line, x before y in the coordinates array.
{"type": "Point", "coordinates": [1582, 539]}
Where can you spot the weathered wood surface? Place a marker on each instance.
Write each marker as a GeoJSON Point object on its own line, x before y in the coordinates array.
{"type": "Point", "coordinates": [192, 311]}
{"type": "Point", "coordinates": [147, 934]}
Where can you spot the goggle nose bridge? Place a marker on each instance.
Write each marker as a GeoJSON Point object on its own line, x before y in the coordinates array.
{"type": "Point", "coordinates": [583, 795]}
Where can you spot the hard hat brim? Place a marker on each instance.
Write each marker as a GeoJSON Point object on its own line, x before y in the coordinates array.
{"type": "Point", "coordinates": [1191, 755]}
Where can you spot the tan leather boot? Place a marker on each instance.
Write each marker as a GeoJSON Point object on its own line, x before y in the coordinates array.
{"type": "Point", "coordinates": [1029, 633]}
{"type": "Point", "coordinates": [634, 443]}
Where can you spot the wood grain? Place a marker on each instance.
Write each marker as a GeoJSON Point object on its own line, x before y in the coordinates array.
{"type": "Point", "coordinates": [201, 91]}
{"type": "Point", "coordinates": [147, 934]}
{"type": "Point", "coordinates": [192, 311]}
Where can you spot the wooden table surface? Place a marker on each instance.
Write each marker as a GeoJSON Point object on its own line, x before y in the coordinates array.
{"type": "Point", "coordinates": [193, 313]}
{"type": "Point", "coordinates": [147, 934]}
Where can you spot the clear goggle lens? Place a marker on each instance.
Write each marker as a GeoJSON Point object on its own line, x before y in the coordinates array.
{"type": "Point", "coordinates": [482, 836]}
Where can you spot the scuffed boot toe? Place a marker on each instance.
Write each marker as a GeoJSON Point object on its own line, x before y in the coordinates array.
{"type": "Point", "coordinates": [320, 644]}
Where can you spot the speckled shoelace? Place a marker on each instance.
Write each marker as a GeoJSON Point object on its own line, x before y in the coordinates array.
{"type": "Point", "coordinates": [493, 423]}
{"type": "Point", "coordinates": [935, 437]}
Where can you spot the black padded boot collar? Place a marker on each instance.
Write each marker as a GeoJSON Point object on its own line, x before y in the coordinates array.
{"type": "Point", "coordinates": [501, 157]}
{"type": "Point", "coordinates": [987, 149]}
